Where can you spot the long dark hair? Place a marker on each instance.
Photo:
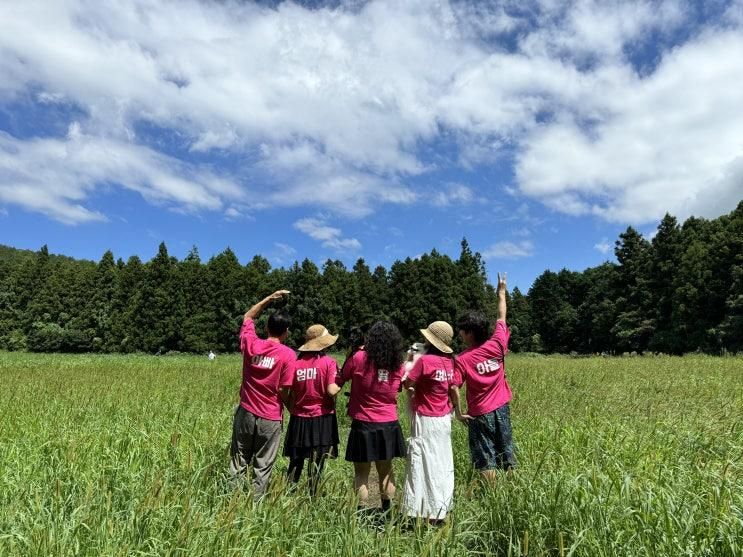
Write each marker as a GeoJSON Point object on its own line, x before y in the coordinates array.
{"type": "Point", "coordinates": [384, 346]}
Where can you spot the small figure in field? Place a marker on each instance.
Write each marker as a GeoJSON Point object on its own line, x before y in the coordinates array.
{"type": "Point", "coordinates": [267, 366]}
{"type": "Point", "coordinates": [212, 356]}
{"type": "Point", "coordinates": [313, 428]}
{"type": "Point", "coordinates": [482, 367]}
{"type": "Point", "coordinates": [429, 475]}
{"type": "Point", "coordinates": [375, 437]}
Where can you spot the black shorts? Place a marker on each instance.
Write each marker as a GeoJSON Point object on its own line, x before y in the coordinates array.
{"type": "Point", "coordinates": [491, 440]}
{"type": "Point", "coordinates": [373, 441]}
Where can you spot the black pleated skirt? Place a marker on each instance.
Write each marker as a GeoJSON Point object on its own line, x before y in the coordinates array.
{"type": "Point", "coordinates": [372, 441]}
{"type": "Point", "coordinates": [306, 436]}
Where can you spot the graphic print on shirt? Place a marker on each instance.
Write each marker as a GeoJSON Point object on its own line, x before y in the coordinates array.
{"type": "Point", "coordinates": [487, 366]}
{"type": "Point", "coordinates": [383, 375]}
{"type": "Point", "coordinates": [264, 362]}
{"type": "Point", "coordinates": [443, 375]}
{"type": "Point", "coordinates": [306, 374]}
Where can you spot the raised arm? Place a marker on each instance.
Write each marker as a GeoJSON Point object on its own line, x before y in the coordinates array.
{"type": "Point", "coordinates": [502, 297]}
{"type": "Point", "coordinates": [256, 310]}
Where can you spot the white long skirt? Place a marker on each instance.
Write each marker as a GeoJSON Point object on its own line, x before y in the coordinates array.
{"type": "Point", "coordinates": [429, 473]}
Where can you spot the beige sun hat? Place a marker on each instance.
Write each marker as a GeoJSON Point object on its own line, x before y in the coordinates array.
{"type": "Point", "coordinates": [317, 338]}
{"type": "Point", "coordinates": [440, 334]}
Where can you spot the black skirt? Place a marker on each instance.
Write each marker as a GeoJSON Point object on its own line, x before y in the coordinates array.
{"type": "Point", "coordinates": [305, 436]}
{"type": "Point", "coordinates": [373, 441]}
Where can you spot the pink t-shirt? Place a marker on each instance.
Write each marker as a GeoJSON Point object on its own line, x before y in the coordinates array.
{"type": "Point", "coordinates": [267, 366]}
{"type": "Point", "coordinates": [482, 368]}
{"type": "Point", "coordinates": [373, 391]}
{"type": "Point", "coordinates": [313, 373]}
{"type": "Point", "coordinates": [432, 375]}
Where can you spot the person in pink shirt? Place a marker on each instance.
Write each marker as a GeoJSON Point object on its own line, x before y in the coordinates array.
{"type": "Point", "coordinates": [481, 366]}
{"type": "Point", "coordinates": [267, 366]}
{"type": "Point", "coordinates": [429, 475]}
{"type": "Point", "coordinates": [313, 428]}
{"type": "Point", "coordinates": [375, 374]}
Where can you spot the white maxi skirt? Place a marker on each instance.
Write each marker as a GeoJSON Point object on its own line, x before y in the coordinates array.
{"type": "Point", "coordinates": [429, 472]}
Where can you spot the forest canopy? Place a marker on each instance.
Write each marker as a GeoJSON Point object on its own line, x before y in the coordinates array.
{"type": "Point", "coordinates": [681, 291]}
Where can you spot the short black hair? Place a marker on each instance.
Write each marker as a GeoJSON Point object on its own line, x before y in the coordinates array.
{"type": "Point", "coordinates": [476, 323]}
{"type": "Point", "coordinates": [356, 337]}
{"type": "Point", "coordinates": [278, 323]}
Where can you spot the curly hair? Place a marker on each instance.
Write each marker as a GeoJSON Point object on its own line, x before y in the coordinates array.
{"type": "Point", "coordinates": [475, 322]}
{"type": "Point", "coordinates": [384, 346]}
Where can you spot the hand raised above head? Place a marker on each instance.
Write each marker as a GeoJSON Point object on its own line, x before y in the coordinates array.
{"type": "Point", "coordinates": [502, 282]}
{"type": "Point", "coordinates": [279, 294]}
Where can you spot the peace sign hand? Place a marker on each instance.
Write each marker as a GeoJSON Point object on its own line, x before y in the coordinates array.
{"type": "Point", "coordinates": [502, 283]}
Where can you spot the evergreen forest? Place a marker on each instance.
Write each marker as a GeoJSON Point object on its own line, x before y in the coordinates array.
{"type": "Point", "coordinates": [679, 292]}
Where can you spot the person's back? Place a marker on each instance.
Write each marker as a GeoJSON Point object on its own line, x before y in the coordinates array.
{"type": "Point", "coordinates": [313, 372]}
{"type": "Point", "coordinates": [483, 370]}
{"type": "Point", "coordinates": [432, 375]}
{"type": "Point", "coordinates": [373, 391]}
{"type": "Point", "coordinates": [266, 366]}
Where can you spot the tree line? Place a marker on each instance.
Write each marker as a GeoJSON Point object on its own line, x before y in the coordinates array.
{"type": "Point", "coordinates": [681, 291]}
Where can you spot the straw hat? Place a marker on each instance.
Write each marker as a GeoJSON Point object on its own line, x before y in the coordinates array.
{"type": "Point", "coordinates": [317, 338]}
{"type": "Point", "coordinates": [440, 334]}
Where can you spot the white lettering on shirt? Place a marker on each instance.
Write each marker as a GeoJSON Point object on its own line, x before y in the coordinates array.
{"type": "Point", "coordinates": [487, 366]}
{"type": "Point", "coordinates": [305, 374]}
{"type": "Point", "coordinates": [265, 362]}
{"type": "Point", "coordinates": [442, 375]}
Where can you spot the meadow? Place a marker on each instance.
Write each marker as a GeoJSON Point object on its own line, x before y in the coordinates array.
{"type": "Point", "coordinates": [127, 455]}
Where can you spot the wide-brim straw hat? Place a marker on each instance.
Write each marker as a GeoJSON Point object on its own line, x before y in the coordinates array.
{"type": "Point", "coordinates": [440, 335]}
{"type": "Point", "coordinates": [317, 338]}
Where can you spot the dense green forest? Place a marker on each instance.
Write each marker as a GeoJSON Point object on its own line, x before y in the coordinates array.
{"type": "Point", "coordinates": [680, 292]}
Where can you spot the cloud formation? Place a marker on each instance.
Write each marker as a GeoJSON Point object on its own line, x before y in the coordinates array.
{"type": "Point", "coordinates": [328, 236]}
{"type": "Point", "coordinates": [603, 246]}
{"type": "Point", "coordinates": [338, 108]}
{"type": "Point", "coordinates": [509, 250]}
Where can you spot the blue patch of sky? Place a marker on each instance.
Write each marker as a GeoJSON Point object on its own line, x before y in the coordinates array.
{"type": "Point", "coordinates": [25, 117]}
{"type": "Point", "coordinates": [647, 52]}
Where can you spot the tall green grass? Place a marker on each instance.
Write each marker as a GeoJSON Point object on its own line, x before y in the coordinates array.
{"type": "Point", "coordinates": [126, 455]}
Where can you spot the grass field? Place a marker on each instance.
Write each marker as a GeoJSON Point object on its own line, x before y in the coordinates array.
{"type": "Point", "coordinates": [126, 455]}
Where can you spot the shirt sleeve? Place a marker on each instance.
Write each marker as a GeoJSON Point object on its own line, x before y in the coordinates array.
{"type": "Point", "coordinates": [286, 373]}
{"type": "Point", "coordinates": [500, 339]}
{"type": "Point", "coordinates": [247, 336]}
{"type": "Point", "coordinates": [331, 373]}
{"type": "Point", "coordinates": [346, 371]}
{"type": "Point", "coordinates": [415, 374]}
{"type": "Point", "coordinates": [458, 375]}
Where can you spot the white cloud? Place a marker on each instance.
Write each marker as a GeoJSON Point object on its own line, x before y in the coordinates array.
{"type": "Point", "coordinates": [668, 142]}
{"type": "Point", "coordinates": [603, 246]}
{"type": "Point", "coordinates": [285, 249]}
{"type": "Point", "coordinates": [53, 176]}
{"type": "Point", "coordinates": [336, 108]}
{"type": "Point", "coordinates": [232, 213]}
{"type": "Point", "coordinates": [329, 236]}
{"type": "Point", "coordinates": [509, 250]}
{"type": "Point", "coordinates": [453, 194]}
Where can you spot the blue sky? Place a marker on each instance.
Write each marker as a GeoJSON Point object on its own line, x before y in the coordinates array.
{"type": "Point", "coordinates": [537, 129]}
